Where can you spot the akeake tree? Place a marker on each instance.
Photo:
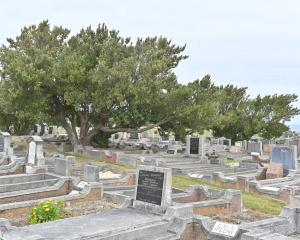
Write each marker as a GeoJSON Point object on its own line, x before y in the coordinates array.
{"type": "Point", "coordinates": [103, 83]}
{"type": "Point", "coordinates": [96, 80]}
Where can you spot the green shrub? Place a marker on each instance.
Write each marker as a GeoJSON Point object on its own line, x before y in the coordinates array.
{"type": "Point", "coordinates": [46, 211]}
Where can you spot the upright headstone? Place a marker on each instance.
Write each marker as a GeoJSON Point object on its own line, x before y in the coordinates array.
{"type": "Point", "coordinates": [37, 129]}
{"type": "Point", "coordinates": [5, 142]}
{"type": "Point", "coordinates": [35, 154]}
{"type": "Point", "coordinates": [44, 129]}
{"type": "Point", "coordinates": [286, 155]}
{"type": "Point", "coordinates": [245, 144]}
{"type": "Point", "coordinates": [31, 153]}
{"type": "Point", "coordinates": [227, 142]}
{"type": "Point", "coordinates": [153, 188]}
{"type": "Point", "coordinates": [63, 166]}
{"type": "Point", "coordinates": [91, 173]}
{"type": "Point", "coordinates": [275, 170]}
{"type": "Point", "coordinates": [255, 147]}
{"type": "Point", "coordinates": [50, 130]}
{"type": "Point", "coordinates": [195, 146]}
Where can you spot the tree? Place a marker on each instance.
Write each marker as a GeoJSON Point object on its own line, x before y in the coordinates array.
{"type": "Point", "coordinates": [241, 117]}
{"type": "Point", "coordinates": [104, 83]}
{"type": "Point", "coordinates": [95, 80]}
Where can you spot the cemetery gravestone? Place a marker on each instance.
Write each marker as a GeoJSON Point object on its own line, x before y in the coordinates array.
{"type": "Point", "coordinates": [5, 142]}
{"type": "Point", "coordinates": [195, 146]}
{"type": "Point", "coordinates": [150, 187]}
{"type": "Point", "coordinates": [286, 155]}
{"type": "Point", "coordinates": [1, 144]}
{"type": "Point", "coordinates": [35, 154]}
{"type": "Point", "coordinates": [153, 190]}
{"type": "Point", "coordinates": [51, 130]}
{"type": "Point", "coordinates": [254, 147]}
{"type": "Point", "coordinates": [91, 173]}
{"type": "Point", "coordinates": [225, 229]}
{"type": "Point", "coordinates": [63, 166]}
{"type": "Point", "coordinates": [31, 153]}
{"type": "Point", "coordinates": [37, 129]}
{"type": "Point", "coordinates": [275, 170]}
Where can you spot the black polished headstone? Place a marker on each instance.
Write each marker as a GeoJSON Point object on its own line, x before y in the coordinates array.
{"type": "Point", "coordinates": [50, 130]}
{"type": "Point", "coordinates": [150, 187]}
{"type": "Point", "coordinates": [194, 145]}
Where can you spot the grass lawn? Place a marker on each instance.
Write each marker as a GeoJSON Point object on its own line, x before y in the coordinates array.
{"type": "Point", "coordinates": [85, 160]}
{"type": "Point", "coordinates": [251, 201]}
{"type": "Point", "coordinates": [262, 204]}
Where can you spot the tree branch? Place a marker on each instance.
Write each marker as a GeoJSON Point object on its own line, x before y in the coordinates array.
{"type": "Point", "coordinates": [132, 130]}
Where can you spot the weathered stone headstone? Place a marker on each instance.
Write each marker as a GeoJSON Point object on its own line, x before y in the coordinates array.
{"type": "Point", "coordinates": [91, 173]}
{"type": "Point", "coordinates": [225, 229]}
{"type": "Point", "coordinates": [254, 147]}
{"type": "Point", "coordinates": [5, 142]}
{"type": "Point", "coordinates": [275, 170]}
{"type": "Point", "coordinates": [245, 144]}
{"type": "Point", "coordinates": [35, 154]}
{"type": "Point", "coordinates": [63, 166]}
{"type": "Point", "coordinates": [154, 188]}
{"type": "Point", "coordinates": [37, 129]}
{"type": "Point", "coordinates": [286, 155]}
{"type": "Point", "coordinates": [31, 153]}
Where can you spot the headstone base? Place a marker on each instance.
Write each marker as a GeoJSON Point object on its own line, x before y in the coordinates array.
{"type": "Point", "coordinates": [36, 169]}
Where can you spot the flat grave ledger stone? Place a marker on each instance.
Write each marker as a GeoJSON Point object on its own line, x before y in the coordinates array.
{"type": "Point", "coordinates": [150, 187]}
{"type": "Point", "coordinates": [225, 229]}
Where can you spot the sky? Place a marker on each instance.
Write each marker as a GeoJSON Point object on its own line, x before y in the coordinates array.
{"type": "Point", "coordinates": [249, 43]}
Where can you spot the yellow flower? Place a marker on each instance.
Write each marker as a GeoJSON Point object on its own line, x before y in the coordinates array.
{"type": "Point", "coordinates": [47, 209]}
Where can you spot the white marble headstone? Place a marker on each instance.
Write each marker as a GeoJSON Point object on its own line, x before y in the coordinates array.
{"type": "Point", "coordinates": [31, 152]}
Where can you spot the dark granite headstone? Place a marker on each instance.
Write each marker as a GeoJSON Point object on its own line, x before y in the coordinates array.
{"type": "Point", "coordinates": [150, 187]}
{"type": "Point", "coordinates": [194, 145]}
{"type": "Point", "coordinates": [226, 142]}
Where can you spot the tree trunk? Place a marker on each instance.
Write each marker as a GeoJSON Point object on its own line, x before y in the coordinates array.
{"type": "Point", "coordinates": [86, 140]}
{"type": "Point", "coordinates": [72, 135]}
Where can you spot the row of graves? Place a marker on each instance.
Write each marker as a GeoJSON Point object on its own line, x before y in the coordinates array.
{"type": "Point", "coordinates": [26, 179]}
{"type": "Point", "coordinates": [157, 211]}
{"type": "Point", "coordinates": [146, 205]}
